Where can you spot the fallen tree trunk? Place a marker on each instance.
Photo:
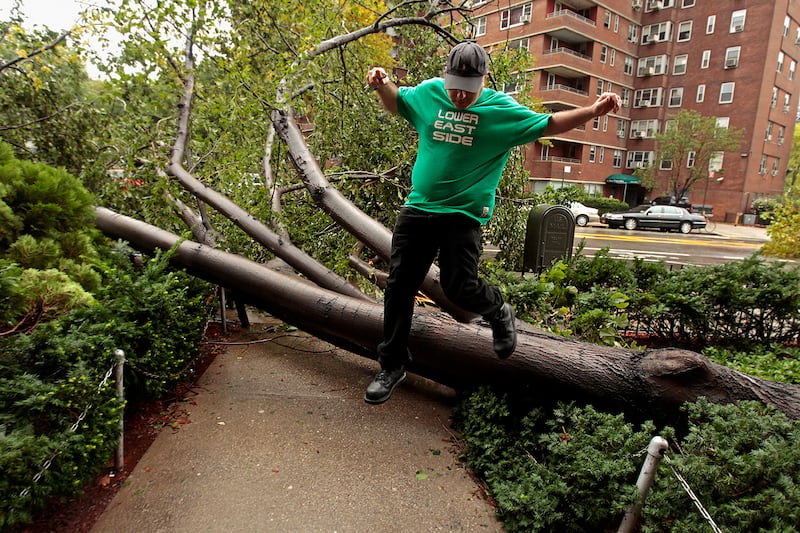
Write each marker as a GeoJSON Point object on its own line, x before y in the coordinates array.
{"type": "Point", "coordinates": [459, 354]}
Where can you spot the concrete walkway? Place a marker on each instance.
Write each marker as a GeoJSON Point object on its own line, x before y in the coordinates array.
{"type": "Point", "coordinates": [281, 440]}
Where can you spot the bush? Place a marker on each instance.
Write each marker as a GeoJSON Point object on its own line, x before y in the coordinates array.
{"type": "Point", "coordinates": [573, 468]}
{"type": "Point", "coordinates": [50, 377]}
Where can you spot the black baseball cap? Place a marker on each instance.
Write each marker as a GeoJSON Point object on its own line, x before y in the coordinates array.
{"type": "Point", "coordinates": [467, 64]}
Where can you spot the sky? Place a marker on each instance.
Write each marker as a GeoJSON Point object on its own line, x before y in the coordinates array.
{"type": "Point", "coordinates": [55, 14]}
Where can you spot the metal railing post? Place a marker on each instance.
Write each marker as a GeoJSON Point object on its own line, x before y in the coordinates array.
{"type": "Point", "coordinates": [655, 450]}
{"type": "Point", "coordinates": [118, 373]}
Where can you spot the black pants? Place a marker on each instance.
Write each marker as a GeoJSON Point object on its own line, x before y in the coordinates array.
{"type": "Point", "coordinates": [418, 237]}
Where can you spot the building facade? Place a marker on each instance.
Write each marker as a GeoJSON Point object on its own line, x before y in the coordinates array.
{"type": "Point", "coordinates": [736, 61]}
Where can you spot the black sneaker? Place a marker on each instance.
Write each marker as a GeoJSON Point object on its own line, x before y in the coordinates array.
{"type": "Point", "coordinates": [384, 384]}
{"type": "Point", "coordinates": [504, 331]}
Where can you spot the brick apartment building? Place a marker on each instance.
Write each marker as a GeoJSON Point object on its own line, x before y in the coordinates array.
{"type": "Point", "coordinates": [735, 60]}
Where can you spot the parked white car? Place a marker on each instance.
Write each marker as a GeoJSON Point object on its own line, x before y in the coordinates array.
{"type": "Point", "coordinates": [584, 215]}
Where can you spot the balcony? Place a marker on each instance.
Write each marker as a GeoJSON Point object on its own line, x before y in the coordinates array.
{"type": "Point", "coordinates": [569, 27]}
{"type": "Point", "coordinates": [564, 94]}
{"type": "Point", "coordinates": [565, 62]}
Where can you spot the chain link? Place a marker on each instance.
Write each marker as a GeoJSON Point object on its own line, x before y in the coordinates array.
{"type": "Point", "coordinates": [73, 428]}
{"type": "Point", "coordinates": [692, 495]}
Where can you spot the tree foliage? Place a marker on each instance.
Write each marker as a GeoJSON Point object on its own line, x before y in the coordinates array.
{"type": "Point", "coordinates": [688, 147]}
{"type": "Point", "coordinates": [784, 228]}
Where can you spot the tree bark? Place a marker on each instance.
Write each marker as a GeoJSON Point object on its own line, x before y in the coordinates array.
{"type": "Point", "coordinates": [655, 382]}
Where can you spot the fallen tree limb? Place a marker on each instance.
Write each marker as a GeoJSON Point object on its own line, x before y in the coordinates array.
{"type": "Point", "coordinates": [459, 354]}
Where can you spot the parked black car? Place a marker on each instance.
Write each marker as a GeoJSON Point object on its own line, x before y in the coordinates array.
{"type": "Point", "coordinates": [670, 200]}
{"type": "Point", "coordinates": [663, 217]}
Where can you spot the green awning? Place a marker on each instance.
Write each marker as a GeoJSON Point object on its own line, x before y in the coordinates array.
{"type": "Point", "coordinates": [623, 179]}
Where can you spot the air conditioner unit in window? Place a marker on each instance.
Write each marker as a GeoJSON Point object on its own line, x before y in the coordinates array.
{"type": "Point", "coordinates": [738, 28]}
{"type": "Point", "coordinates": [731, 63]}
{"type": "Point", "coordinates": [640, 134]}
{"type": "Point", "coordinates": [644, 103]}
{"type": "Point", "coordinates": [637, 4]}
{"type": "Point", "coordinates": [621, 134]}
{"type": "Point", "coordinates": [525, 19]}
{"type": "Point", "coordinates": [651, 71]}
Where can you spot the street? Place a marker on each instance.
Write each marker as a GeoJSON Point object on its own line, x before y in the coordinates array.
{"type": "Point", "coordinates": [695, 248]}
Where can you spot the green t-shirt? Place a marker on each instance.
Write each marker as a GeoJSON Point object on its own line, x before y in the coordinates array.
{"type": "Point", "coordinates": [462, 154]}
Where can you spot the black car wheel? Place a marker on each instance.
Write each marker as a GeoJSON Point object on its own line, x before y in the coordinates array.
{"type": "Point", "coordinates": [631, 223]}
{"type": "Point", "coordinates": [581, 220]}
{"type": "Point", "coordinates": [685, 227]}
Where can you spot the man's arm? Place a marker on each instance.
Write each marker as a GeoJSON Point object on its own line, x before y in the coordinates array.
{"type": "Point", "coordinates": [387, 90]}
{"type": "Point", "coordinates": [568, 119]}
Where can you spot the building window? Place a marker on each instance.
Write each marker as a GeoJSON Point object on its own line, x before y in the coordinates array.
{"type": "Point", "coordinates": [762, 169]}
{"type": "Point", "coordinates": [710, 23]}
{"type": "Point", "coordinates": [600, 85]}
{"type": "Point", "coordinates": [723, 122]}
{"type": "Point", "coordinates": [648, 97]}
{"type": "Point", "coordinates": [701, 93]}
{"type": "Point", "coordinates": [706, 60]}
{"type": "Point", "coordinates": [625, 93]}
{"type": "Point", "coordinates": [603, 53]}
{"type": "Point", "coordinates": [622, 126]}
{"type": "Point", "coordinates": [657, 33]}
{"type": "Point", "coordinates": [726, 92]}
{"type": "Point", "coordinates": [515, 16]}
{"type": "Point", "coordinates": [592, 154]}
{"type": "Point", "coordinates": [628, 67]}
{"type": "Point", "coordinates": [651, 66]}
{"type": "Point", "coordinates": [781, 134]}
{"type": "Point", "coordinates": [774, 102]}
{"type": "Point", "coordinates": [684, 31]}
{"type": "Point", "coordinates": [602, 155]}
{"type": "Point", "coordinates": [786, 101]}
{"type": "Point", "coordinates": [596, 123]}
{"type": "Point", "coordinates": [616, 23]}
{"type": "Point", "coordinates": [480, 27]}
{"type": "Point", "coordinates": [612, 57]}
{"type": "Point", "coordinates": [732, 56]}
{"type": "Point", "coordinates": [617, 161]}
{"type": "Point", "coordinates": [687, 3]}
{"type": "Point", "coordinates": [644, 129]}
{"type": "Point", "coordinates": [666, 164]}
{"type": "Point", "coordinates": [775, 163]}
{"type": "Point", "coordinates": [607, 20]}
{"type": "Point", "coordinates": [513, 85]}
{"type": "Point", "coordinates": [605, 122]}
{"type": "Point", "coordinates": [792, 68]}
{"type": "Point", "coordinates": [737, 21]}
{"type": "Point", "coordinates": [519, 44]}
{"type": "Point", "coordinates": [639, 159]}
{"type": "Point", "coordinates": [675, 97]}
{"type": "Point", "coordinates": [679, 64]}
{"type": "Point", "coordinates": [768, 135]}
{"type": "Point", "coordinates": [690, 159]}
{"type": "Point", "coordinates": [781, 58]}
{"type": "Point", "coordinates": [786, 22]}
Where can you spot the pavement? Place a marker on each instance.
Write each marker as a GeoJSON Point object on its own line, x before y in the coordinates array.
{"type": "Point", "coordinates": [279, 439]}
{"type": "Point", "coordinates": [741, 231]}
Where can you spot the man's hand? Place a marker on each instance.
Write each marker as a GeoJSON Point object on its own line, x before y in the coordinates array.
{"type": "Point", "coordinates": [607, 103]}
{"type": "Point", "coordinates": [376, 77]}
{"type": "Point", "coordinates": [387, 91]}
